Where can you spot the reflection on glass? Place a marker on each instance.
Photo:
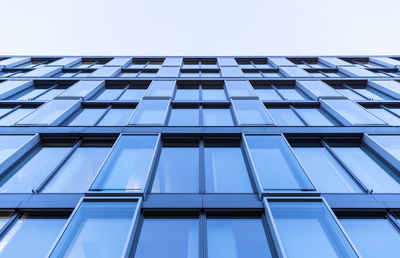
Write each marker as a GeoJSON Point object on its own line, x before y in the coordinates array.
{"type": "Point", "coordinates": [187, 94]}
{"type": "Point", "coordinates": [390, 142]}
{"type": "Point", "coordinates": [161, 88]}
{"type": "Point", "coordinates": [98, 229]}
{"type": "Point", "coordinates": [285, 117]}
{"type": "Point", "coordinates": [109, 94]}
{"type": "Point", "coordinates": [239, 89]}
{"type": "Point", "coordinates": [133, 94]}
{"type": "Point", "coordinates": [236, 237]}
{"type": "Point", "coordinates": [311, 222]}
{"type": "Point", "coordinates": [184, 117]}
{"type": "Point", "coordinates": [9, 144]}
{"type": "Point", "coordinates": [128, 164]}
{"type": "Point", "coordinates": [85, 117]}
{"type": "Point", "coordinates": [251, 112]}
{"type": "Point", "coordinates": [316, 117]}
{"type": "Point", "coordinates": [15, 116]}
{"type": "Point", "coordinates": [217, 117]}
{"type": "Point", "coordinates": [275, 164]}
{"type": "Point", "coordinates": [168, 237]}
{"type": "Point", "coordinates": [213, 94]}
{"type": "Point", "coordinates": [150, 112]}
{"type": "Point", "coordinates": [385, 115]}
{"type": "Point", "coordinates": [116, 117]}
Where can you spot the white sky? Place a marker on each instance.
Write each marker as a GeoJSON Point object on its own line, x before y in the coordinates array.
{"type": "Point", "coordinates": [200, 27]}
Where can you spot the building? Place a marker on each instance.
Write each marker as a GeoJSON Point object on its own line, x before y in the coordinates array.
{"type": "Point", "coordinates": [190, 157]}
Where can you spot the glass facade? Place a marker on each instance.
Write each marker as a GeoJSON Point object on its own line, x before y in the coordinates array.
{"type": "Point", "coordinates": [235, 157]}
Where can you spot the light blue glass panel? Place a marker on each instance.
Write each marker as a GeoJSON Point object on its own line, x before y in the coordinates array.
{"type": "Point", "coordinates": [316, 117]}
{"type": "Point", "coordinates": [226, 171]}
{"type": "Point", "coordinates": [30, 173]}
{"type": "Point", "coordinates": [98, 229]}
{"type": "Point", "coordinates": [161, 88]}
{"type": "Point", "coordinates": [370, 93]}
{"type": "Point", "coordinates": [150, 112]}
{"type": "Point", "coordinates": [86, 117]}
{"type": "Point", "coordinates": [128, 165]}
{"type": "Point", "coordinates": [78, 172]}
{"type": "Point", "coordinates": [231, 71]}
{"type": "Point", "coordinates": [169, 238]}
{"type": "Point", "coordinates": [267, 94]}
{"type": "Point", "coordinates": [373, 236]}
{"type": "Point", "coordinates": [390, 142]}
{"type": "Point", "coordinates": [285, 117]}
{"type": "Point", "coordinates": [275, 164]}
{"type": "Point", "coordinates": [307, 229]}
{"type": "Point", "coordinates": [9, 144]}
{"type": "Point", "coordinates": [109, 94]}
{"type": "Point", "coordinates": [236, 237]}
{"type": "Point", "coordinates": [133, 94]}
{"type": "Point", "coordinates": [217, 117]}
{"type": "Point", "coordinates": [292, 93]}
{"type": "Point", "coordinates": [15, 116]}
{"type": "Point", "coordinates": [350, 94]}
{"type": "Point", "coordinates": [372, 172]}
{"type": "Point", "coordinates": [213, 94]}
{"type": "Point", "coordinates": [31, 236]}
{"type": "Point", "coordinates": [251, 112]}
{"type": "Point", "coordinates": [116, 117]}
{"type": "Point", "coordinates": [187, 94]}
{"type": "Point", "coordinates": [325, 171]}
{"type": "Point", "coordinates": [51, 94]}
{"type": "Point", "coordinates": [385, 116]}
{"type": "Point", "coordinates": [184, 117]}
{"type": "Point", "coordinates": [177, 171]}
{"type": "Point", "coordinates": [4, 111]}
{"type": "Point", "coordinates": [29, 93]}
{"type": "Point", "coordinates": [239, 89]}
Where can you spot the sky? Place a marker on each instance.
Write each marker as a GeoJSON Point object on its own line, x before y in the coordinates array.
{"type": "Point", "coordinates": [200, 27]}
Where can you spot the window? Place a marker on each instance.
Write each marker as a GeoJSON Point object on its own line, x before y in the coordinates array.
{"type": "Point", "coordinates": [251, 112]}
{"type": "Point", "coordinates": [15, 116]}
{"type": "Point", "coordinates": [32, 235]}
{"type": "Point", "coordinates": [266, 93]}
{"type": "Point", "coordinates": [291, 93]}
{"type": "Point", "coordinates": [161, 88]}
{"type": "Point", "coordinates": [184, 117]}
{"type": "Point", "coordinates": [78, 172]}
{"type": "Point", "coordinates": [173, 237]}
{"type": "Point", "coordinates": [128, 165]}
{"type": "Point", "coordinates": [116, 117]}
{"type": "Point", "coordinates": [390, 142]}
{"type": "Point", "coordinates": [225, 169]}
{"type": "Point", "coordinates": [231, 71]}
{"type": "Point", "coordinates": [373, 236]}
{"type": "Point", "coordinates": [133, 94]}
{"type": "Point", "coordinates": [385, 115]}
{"type": "Point", "coordinates": [98, 227]}
{"type": "Point", "coordinates": [210, 93]}
{"type": "Point", "coordinates": [187, 94]}
{"type": "Point", "coordinates": [311, 222]}
{"type": "Point", "coordinates": [285, 117]}
{"type": "Point", "coordinates": [239, 89]}
{"type": "Point", "coordinates": [85, 117]}
{"type": "Point", "coordinates": [150, 112]}
{"type": "Point", "coordinates": [10, 144]}
{"type": "Point", "coordinates": [109, 93]}
{"type": "Point", "coordinates": [217, 117]}
{"type": "Point", "coordinates": [316, 117]}
{"type": "Point", "coordinates": [236, 236]}
{"type": "Point", "coordinates": [275, 164]}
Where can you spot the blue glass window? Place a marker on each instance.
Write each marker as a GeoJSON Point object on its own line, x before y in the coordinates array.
{"type": "Point", "coordinates": [150, 112]}
{"type": "Point", "coordinates": [184, 117]}
{"type": "Point", "coordinates": [161, 88]}
{"type": "Point", "coordinates": [239, 89]}
{"type": "Point", "coordinates": [187, 94]}
{"type": "Point", "coordinates": [292, 93]}
{"type": "Point", "coordinates": [316, 117]}
{"type": "Point", "coordinates": [267, 93]}
{"type": "Point", "coordinates": [251, 112]}
{"type": "Point", "coordinates": [15, 116]}
{"type": "Point", "coordinates": [116, 117]}
{"type": "Point", "coordinates": [217, 117]}
{"type": "Point", "coordinates": [133, 94]}
{"type": "Point", "coordinates": [9, 144]}
{"type": "Point", "coordinates": [390, 142]}
{"type": "Point", "coordinates": [385, 115]}
{"type": "Point", "coordinates": [213, 94]}
{"type": "Point", "coordinates": [85, 117]}
{"type": "Point", "coordinates": [285, 117]}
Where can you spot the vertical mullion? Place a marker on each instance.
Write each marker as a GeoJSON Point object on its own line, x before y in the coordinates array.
{"type": "Point", "coordinates": [203, 235]}
{"type": "Point", "coordinates": [202, 176]}
{"type": "Point", "coordinates": [9, 224]}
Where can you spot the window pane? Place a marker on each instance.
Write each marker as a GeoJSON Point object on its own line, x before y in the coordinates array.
{"type": "Point", "coordinates": [285, 117]}
{"type": "Point", "coordinates": [116, 117]}
{"type": "Point", "coordinates": [187, 94]}
{"type": "Point", "coordinates": [231, 71]}
{"type": "Point", "coordinates": [177, 171]}
{"type": "Point", "coordinates": [133, 94]}
{"type": "Point", "coordinates": [150, 112]}
{"type": "Point", "coordinates": [239, 89]}
{"type": "Point", "coordinates": [251, 112]}
{"type": "Point", "coordinates": [226, 171]}
{"type": "Point", "coordinates": [184, 117]}
{"type": "Point", "coordinates": [77, 173]}
{"type": "Point", "coordinates": [4, 111]}
{"type": "Point", "coordinates": [373, 172]}
{"type": "Point", "coordinates": [292, 93]}
{"type": "Point", "coordinates": [316, 117]}
{"type": "Point", "coordinates": [370, 93]}
{"type": "Point", "coordinates": [31, 236]}
{"type": "Point", "coordinates": [312, 223]}
{"type": "Point", "coordinates": [390, 142]}
{"type": "Point", "coordinates": [276, 166]}
{"type": "Point", "coordinates": [217, 117]}
{"type": "Point", "coordinates": [9, 144]}
{"type": "Point", "coordinates": [16, 115]}
{"type": "Point", "coordinates": [350, 94]}
{"type": "Point", "coordinates": [373, 236]}
{"type": "Point", "coordinates": [29, 93]}
{"type": "Point", "coordinates": [236, 237]}
{"type": "Point", "coordinates": [213, 94]}
{"type": "Point", "coordinates": [385, 116]}
{"type": "Point", "coordinates": [85, 117]}
{"type": "Point", "coordinates": [128, 165]}
{"type": "Point", "coordinates": [109, 94]}
{"type": "Point", "coordinates": [98, 229]}
{"type": "Point", "coordinates": [327, 174]}
{"type": "Point", "coordinates": [161, 88]}
{"type": "Point", "coordinates": [51, 94]}
{"type": "Point", "coordinates": [30, 173]}
{"type": "Point", "coordinates": [168, 238]}
{"type": "Point", "coordinates": [267, 94]}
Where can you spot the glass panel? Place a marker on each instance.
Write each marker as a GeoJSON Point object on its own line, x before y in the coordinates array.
{"type": "Point", "coordinates": [385, 116]}
{"type": "Point", "coordinates": [133, 94]}
{"type": "Point", "coordinates": [116, 117]}
{"type": "Point", "coordinates": [177, 171]}
{"type": "Point", "coordinates": [187, 94]}
{"type": "Point", "coordinates": [231, 71]}
{"type": "Point", "coordinates": [51, 94]}
{"type": "Point", "coordinates": [128, 165]}
{"type": "Point", "coordinates": [173, 237]}
{"type": "Point", "coordinates": [109, 94]}
{"type": "Point", "coordinates": [184, 117]}
{"type": "Point", "coordinates": [161, 88]}
{"type": "Point", "coordinates": [29, 93]}
{"type": "Point", "coordinates": [31, 236]}
{"type": "Point", "coordinates": [370, 93]}
{"type": "Point", "coordinates": [276, 166]}
{"type": "Point", "coordinates": [168, 71]}
{"type": "Point", "coordinates": [150, 112]}
{"type": "Point", "coordinates": [267, 94]}
{"type": "Point", "coordinates": [15, 116]}
{"type": "Point", "coordinates": [373, 236]}
{"type": "Point", "coordinates": [251, 112]}
{"type": "Point", "coordinates": [9, 144]}
{"type": "Point", "coordinates": [83, 164]}
{"type": "Point", "coordinates": [327, 174]}
{"type": "Point", "coordinates": [217, 117]}
{"type": "Point", "coordinates": [350, 94]}
{"type": "Point", "coordinates": [372, 172]}
{"type": "Point", "coordinates": [4, 111]}
{"type": "Point", "coordinates": [27, 175]}
{"type": "Point", "coordinates": [312, 223]}
{"type": "Point", "coordinates": [98, 229]}
{"type": "Point", "coordinates": [292, 93]}
{"type": "Point", "coordinates": [239, 89]}
{"type": "Point", "coordinates": [85, 117]}
{"type": "Point", "coordinates": [236, 237]}
{"type": "Point", "coordinates": [285, 117]}
{"type": "Point", "coordinates": [353, 112]}
{"type": "Point", "coordinates": [226, 171]}
{"type": "Point", "coordinates": [390, 142]}
{"type": "Point", "coordinates": [213, 94]}
{"type": "Point", "coordinates": [316, 117]}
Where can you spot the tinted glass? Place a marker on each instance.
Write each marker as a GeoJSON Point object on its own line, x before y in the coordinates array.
{"type": "Point", "coordinates": [15, 116]}
{"type": "Point", "coordinates": [217, 117]}
{"type": "Point", "coordinates": [292, 93]}
{"type": "Point", "coordinates": [161, 88]}
{"type": "Point", "coordinates": [187, 94]}
{"type": "Point", "coordinates": [9, 144]}
{"type": "Point", "coordinates": [86, 117]}
{"type": "Point", "coordinates": [109, 94]}
{"type": "Point", "coordinates": [251, 112]}
{"type": "Point", "coordinates": [184, 117]}
{"type": "Point", "coordinates": [316, 117]}
{"type": "Point", "coordinates": [267, 94]}
{"type": "Point", "coordinates": [285, 117]}
{"type": "Point", "coordinates": [150, 112]}
{"type": "Point", "coordinates": [385, 115]}
{"type": "Point", "coordinates": [133, 94]}
{"type": "Point", "coordinates": [239, 89]}
{"type": "Point", "coordinates": [116, 117]}
{"type": "Point", "coordinates": [390, 142]}
{"type": "Point", "coordinates": [213, 94]}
